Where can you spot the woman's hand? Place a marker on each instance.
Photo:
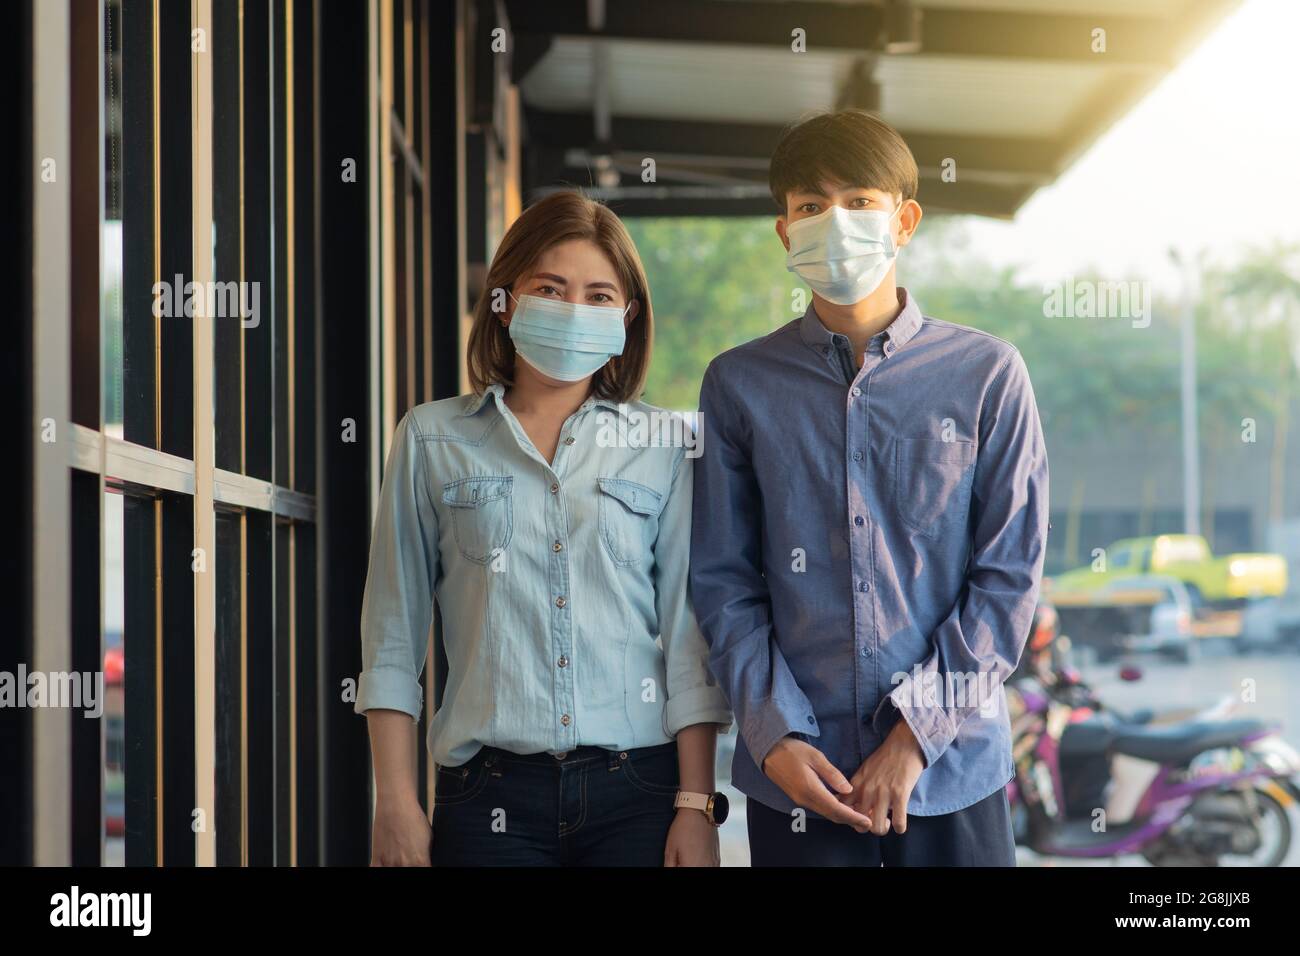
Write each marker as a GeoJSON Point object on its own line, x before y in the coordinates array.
{"type": "Point", "coordinates": [692, 841]}
{"type": "Point", "coordinates": [402, 833]}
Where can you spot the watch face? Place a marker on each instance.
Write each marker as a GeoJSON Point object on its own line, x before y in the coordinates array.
{"type": "Point", "coordinates": [720, 809]}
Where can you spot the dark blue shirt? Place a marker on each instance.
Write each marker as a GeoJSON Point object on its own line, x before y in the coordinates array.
{"type": "Point", "coordinates": [868, 544]}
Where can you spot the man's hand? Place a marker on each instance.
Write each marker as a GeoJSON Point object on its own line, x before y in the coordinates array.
{"type": "Point", "coordinates": [884, 782]}
{"type": "Point", "coordinates": [804, 773]}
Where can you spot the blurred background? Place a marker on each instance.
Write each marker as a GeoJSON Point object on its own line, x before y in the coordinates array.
{"type": "Point", "coordinates": [1106, 184]}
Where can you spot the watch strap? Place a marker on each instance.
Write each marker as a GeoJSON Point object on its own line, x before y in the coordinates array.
{"type": "Point", "coordinates": [693, 801]}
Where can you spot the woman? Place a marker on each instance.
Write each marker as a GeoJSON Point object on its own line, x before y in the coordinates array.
{"type": "Point", "coordinates": [558, 555]}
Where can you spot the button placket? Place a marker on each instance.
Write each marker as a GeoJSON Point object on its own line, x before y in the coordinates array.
{"type": "Point", "coordinates": [857, 438]}
{"type": "Point", "coordinates": [560, 618]}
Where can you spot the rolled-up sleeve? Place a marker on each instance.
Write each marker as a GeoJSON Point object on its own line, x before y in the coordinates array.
{"type": "Point", "coordinates": [727, 583]}
{"type": "Point", "coordinates": [979, 642]}
{"type": "Point", "coordinates": [397, 610]}
{"type": "Point", "coordinates": [693, 696]}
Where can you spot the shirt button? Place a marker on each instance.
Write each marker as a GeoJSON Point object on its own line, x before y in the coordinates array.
{"type": "Point", "coordinates": [566, 719]}
{"type": "Point", "coordinates": [858, 521]}
{"type": "Point", "coordinates": [557, 547]}
{"type": "Point", "coordinates": [560, 602]}
{"type": "Point", "coordinates": [811, 719]}
{"type": "Point", "coordinates": [569, 440]}
{"type": "Point", "coordinates": [554, 488]}
{"type": "Point", "coordinates": [562, 662]}
{"type": "Point", "coordinates": [856, 391]}
{"type": "Point", "coordinates": [866, 651]}
{"type": "Point", "coordinates": [857, 456]}
{"type": "Point", "coordinates": [864, 587]}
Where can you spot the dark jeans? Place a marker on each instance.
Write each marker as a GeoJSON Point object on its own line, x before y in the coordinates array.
{"type": "Point", "coordinates": [978, 835]}
{"type": "Point", "coordinates": [588, 807]}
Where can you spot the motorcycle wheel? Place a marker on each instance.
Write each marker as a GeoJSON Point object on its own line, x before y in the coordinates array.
{"type": "Point", "coordinates": [1274, 824]}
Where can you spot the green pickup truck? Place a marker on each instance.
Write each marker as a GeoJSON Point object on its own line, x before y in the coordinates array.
{"type": "Point", "coordinates": [1229, 581]}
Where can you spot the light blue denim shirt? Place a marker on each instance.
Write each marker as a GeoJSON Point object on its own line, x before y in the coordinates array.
{"type": "Point", "coordinates": [869, 545]}
{"type": "Point", "coordinates": [562, 587]}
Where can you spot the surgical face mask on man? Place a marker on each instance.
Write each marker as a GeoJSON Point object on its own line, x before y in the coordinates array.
{"type": "Point", "coordinates": [843, 254]}
{"type": "Point", "coordinates": [567, 341]}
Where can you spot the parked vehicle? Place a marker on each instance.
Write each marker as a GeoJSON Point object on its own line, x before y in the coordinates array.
{"type": "Point", "coordinates": [1226, 581]}
{"type": "Point", "coordinates": [1180, 790]}
{"type": "Point", "coordinates": [1130, 600]}
{"type": "Point", "coordinates": [1275, 625]}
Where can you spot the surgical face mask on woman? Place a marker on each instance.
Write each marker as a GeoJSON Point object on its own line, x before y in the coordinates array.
{"type": "Point", "coordinates": [843, 254]}
{"type": "Point", "coordinates": [567, 341]}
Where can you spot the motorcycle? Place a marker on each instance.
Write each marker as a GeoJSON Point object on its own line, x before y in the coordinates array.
{"type": "Point", "coordinates": [1204, 789]}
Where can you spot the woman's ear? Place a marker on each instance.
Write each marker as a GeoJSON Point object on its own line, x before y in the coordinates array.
{"type": "Point", "coordinates": [633, 310]}
{"type": "Point", "coordinates": [507, 308]}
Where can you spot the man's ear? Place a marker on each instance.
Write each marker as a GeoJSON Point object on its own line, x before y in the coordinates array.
{"type": "Point", "coordinates": [909, 217]}
{"type": "Point", "coordinates": [780, 232]}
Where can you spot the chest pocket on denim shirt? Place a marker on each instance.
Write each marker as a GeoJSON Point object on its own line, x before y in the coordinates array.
{"type": "Point", "coordinates": [627, 519]}
{"type": "Point", "coordinates": [482, 515]}
{"type": "Point", "coordinates": [932, 482]}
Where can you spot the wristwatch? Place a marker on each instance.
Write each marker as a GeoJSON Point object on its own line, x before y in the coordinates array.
{"type": "Point", "coordinates": [714, 806]}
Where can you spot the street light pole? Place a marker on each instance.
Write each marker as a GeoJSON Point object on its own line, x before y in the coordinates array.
{"type": "Point", "coordinates": [1191, 444]}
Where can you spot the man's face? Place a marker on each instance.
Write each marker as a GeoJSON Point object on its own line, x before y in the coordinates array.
{"type": "Point", "coordinates": [804, 204]}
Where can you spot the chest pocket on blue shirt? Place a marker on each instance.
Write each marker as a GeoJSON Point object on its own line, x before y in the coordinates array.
{"type": "Point", "coordinates": [627, 519]}
{"type": "Point", "coordinates": [932, 482]}
{"type": "Point", "coordinates": [482, 515]}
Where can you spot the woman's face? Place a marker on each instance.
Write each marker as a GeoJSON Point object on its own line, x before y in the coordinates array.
{"type": "Point", "coordinates": [576, 271]}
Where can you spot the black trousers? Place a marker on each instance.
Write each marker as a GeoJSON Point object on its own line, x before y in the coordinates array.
{"type": "Point", "coordinates": [586, 807]}
{"type": "Point", "coordinates": [978, 835]}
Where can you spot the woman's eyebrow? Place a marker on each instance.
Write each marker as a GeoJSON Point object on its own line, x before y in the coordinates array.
{"type": "Point", "coordinates": [552, 276]}
{"type": "Point", "coordinates": [602, 285]}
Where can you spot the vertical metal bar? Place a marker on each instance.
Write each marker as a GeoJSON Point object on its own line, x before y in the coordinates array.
{"type": "Point", "coordinates": [51, 645]}
{"type": "Point", "coordinates": [243, 467]}
{"type": "Point", "coordinates": [426, 205]}
{"type": "Point", "coordinates": [205, 597]}
{"type": "Point", "coordinates": [161, 790]}
{"type": "Point", "coordinates": [318, 345]}
{"type": "Point", "coordinates": [85, 172]}
{"type": "Point", "coordinates": [462, 297]}
{"type": "Point", "coordinates": [290, 255]}
{"type": "Point", "coordinates": [387, 372]}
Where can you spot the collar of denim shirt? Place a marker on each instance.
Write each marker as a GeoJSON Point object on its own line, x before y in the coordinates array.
{"type": "Point", "coordinates": [497, 392]}
{"type": "Point", "coordinates": [905, 325]}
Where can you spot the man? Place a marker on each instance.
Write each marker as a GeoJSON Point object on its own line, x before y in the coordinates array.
{"type": "Point", "coordinates": [870, 523]}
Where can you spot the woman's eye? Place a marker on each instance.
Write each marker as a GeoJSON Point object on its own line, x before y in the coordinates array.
{"type": "Point", "coordinates": [548, 290]}
{"type": "Point", "coordinates": [603, 298]}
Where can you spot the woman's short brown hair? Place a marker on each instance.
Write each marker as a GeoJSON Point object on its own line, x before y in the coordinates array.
{"type": "Point", "coordinates": [562, 217]}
